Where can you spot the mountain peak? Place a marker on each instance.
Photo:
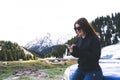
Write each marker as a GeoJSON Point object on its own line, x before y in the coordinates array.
{"type": "Point", "coordinates": [47, 40]}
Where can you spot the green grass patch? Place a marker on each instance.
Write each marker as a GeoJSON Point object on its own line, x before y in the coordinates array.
{"type": "Point", "coordinates": [54, 71]}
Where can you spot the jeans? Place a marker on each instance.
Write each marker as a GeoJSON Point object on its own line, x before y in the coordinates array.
{"type": "Point", "coordinates": [94, 75]}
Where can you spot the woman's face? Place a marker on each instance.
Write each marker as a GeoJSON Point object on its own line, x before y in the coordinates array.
{"type": "Point", "coordinates": [78, 30]}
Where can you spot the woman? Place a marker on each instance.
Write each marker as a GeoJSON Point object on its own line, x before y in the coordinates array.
{"type": "Point", "coordinates": [87, 49]}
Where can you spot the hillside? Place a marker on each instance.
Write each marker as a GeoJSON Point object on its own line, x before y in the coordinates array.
{"type": "Point", "coordinates": [12, 51]}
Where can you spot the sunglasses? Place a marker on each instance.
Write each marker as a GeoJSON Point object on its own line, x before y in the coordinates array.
{"type": "Point", "coordinates": [77, 28]}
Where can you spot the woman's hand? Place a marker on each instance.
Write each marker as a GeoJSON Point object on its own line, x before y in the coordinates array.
{"type": "Point", "coordinates": [70, 47]}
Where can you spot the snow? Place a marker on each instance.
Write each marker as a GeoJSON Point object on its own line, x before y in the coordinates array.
{"type": "Point", "coordinates": [111, 52]}
{"type": "Point", "coordinates": [110, 67]}
{"type": "Point", "coordinates": [49, 39]}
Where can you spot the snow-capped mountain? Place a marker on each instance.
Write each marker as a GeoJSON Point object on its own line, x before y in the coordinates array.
{"type": "Point", "coordinates": [47, 40]}
{"type": "Point", "coordinates": [111, 52]}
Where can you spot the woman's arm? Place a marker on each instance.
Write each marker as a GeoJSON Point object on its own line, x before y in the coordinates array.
{"type": "Point", "coordinates": [92, 52]}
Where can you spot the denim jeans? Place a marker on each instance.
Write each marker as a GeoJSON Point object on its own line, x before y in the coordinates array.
{"type": "Point", "coordinates": [78, 75]}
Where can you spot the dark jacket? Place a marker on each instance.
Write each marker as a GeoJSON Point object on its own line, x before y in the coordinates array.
{"type": "Point", "coordinates": [88, 51]}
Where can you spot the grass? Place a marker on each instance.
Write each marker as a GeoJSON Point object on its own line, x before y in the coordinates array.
{"type": "Point", "coordinates": [54, 71]}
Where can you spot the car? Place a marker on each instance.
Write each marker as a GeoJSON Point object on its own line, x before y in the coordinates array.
{"type": "Point", "coordinates": [110, 68]}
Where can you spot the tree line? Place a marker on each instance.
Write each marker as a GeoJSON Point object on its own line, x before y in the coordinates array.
{"type": "Point", "coordinates": [12, 52]}
{"type": "Point", "coordinates": [108, 28]}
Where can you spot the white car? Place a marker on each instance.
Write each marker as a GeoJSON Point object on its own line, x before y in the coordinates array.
{"type": "Point", "coordinates": [110, 68]}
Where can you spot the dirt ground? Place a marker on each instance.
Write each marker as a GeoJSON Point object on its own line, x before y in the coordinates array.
{"type": "Point", "coordinates": [31, 75]}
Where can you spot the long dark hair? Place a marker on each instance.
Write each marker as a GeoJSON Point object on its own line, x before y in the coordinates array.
{"type": "Point", "coordinates": [86, 26]}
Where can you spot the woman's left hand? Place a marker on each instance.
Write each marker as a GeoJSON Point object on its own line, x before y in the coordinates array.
{"type": "Point", "coordinates": [71, 48]}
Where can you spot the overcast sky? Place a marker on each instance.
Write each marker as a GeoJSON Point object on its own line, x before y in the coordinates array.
{"type": "Point", "coordinates": [23, 20]}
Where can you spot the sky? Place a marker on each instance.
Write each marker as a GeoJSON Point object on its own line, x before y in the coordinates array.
{"type": "Point", "coordinates": [23, 20]}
